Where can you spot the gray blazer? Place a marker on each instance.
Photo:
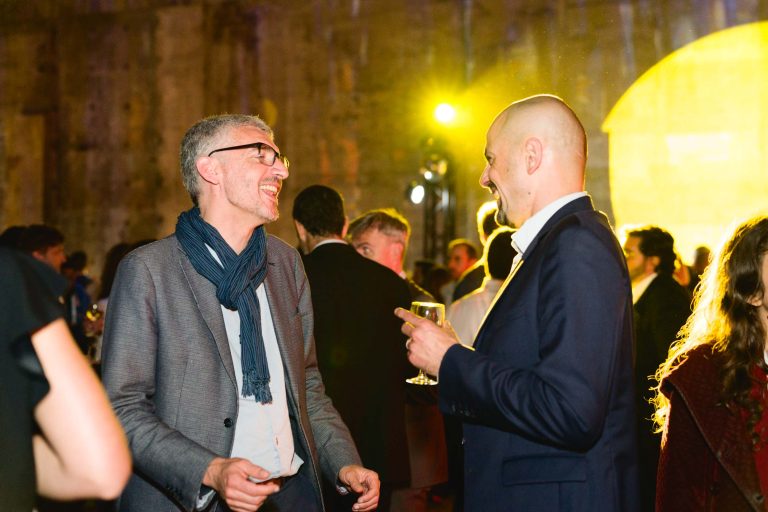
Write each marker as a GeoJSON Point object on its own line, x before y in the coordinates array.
{"type": "Point", "coordinates": [168, 371]}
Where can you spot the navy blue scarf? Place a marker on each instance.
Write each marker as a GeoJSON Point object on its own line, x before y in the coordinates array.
{"type": "Point", "coordinates": [236, 280]}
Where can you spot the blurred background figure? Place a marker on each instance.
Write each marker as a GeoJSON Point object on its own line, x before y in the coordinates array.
{"type": "Point", "coordinates": [661, 307]}
{"type": "Point", "coordinates": [382, 235]}
{"type": "Point", "coordinates": [712, 398]}
{"type": "Point", "coordinates": [466, 314]}
{"type": "Point", "coordinates": [421, 269]}
{"type": "Point", "coordinates": [702, 256]}
{"type": "Point", "coordinates": [58, 434]}
{"type": "Point", "coordinates": [94, 321]}
{"type": "Point", "coordinates": [436, 280]}
{"type": "Point", "coordinates": [11, 237]}
{"type": "Point", "coordinates": [44, 243]}
{"type": "Point", "coordinates": [473, 277]}
{"type": "Point", "coordinates": [359, 344]}
{"type": "Point", "coordinates": [77, 300]}
{"type": "Point", "coordinates": [462, 254]}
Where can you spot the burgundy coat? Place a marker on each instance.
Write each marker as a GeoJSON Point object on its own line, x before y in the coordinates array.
{"type": "Point", "coordinates": [707, 462]}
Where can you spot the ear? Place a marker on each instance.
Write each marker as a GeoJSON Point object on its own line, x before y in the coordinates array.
{"type": "Point", "coordinates": [756, 300]}
{"type": "Point", "coordinates": [301, 231]}
{"type": "Point", "coordinates": [345, 228]}
{"type": "Point", "coordinates": [208, 169]}
{"type": "Point", "coordinates": [533, 152]}
{"type": "Point", "coordinates": [397, 250]}
{"type": "Point", "coordinates": [651, 262]}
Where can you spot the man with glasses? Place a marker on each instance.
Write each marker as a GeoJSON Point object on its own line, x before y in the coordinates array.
{"type": "Point", "coordinates": [209, 357]}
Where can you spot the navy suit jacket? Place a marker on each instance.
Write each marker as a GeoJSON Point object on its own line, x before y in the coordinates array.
{"type": "Point", "coordinates": [547, 397]}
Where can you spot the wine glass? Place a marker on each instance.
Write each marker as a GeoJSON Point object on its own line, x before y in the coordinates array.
{"type": "Point", "coordinates": [431, 311]}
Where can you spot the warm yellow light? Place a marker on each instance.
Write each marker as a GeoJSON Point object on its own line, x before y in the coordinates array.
{"type": "Point", "coordinates": [445, 113]}
{"type": "Point", "coordinates": [687, 141]}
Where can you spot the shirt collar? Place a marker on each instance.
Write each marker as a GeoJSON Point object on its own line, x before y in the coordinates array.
{"type": "Point", "coordinates": [639, 288]}
{"type": "Point", "coordinates": [330, 241]}
{"type": "Point", "coordinates": [523, 237]}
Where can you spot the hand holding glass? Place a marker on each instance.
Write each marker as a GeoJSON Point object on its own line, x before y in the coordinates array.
{"type": "Point", "coordinates": [431, 311]}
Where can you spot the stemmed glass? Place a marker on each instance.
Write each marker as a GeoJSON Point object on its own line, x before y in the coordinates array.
{"type": "Point", "coordinates": [431, 311]}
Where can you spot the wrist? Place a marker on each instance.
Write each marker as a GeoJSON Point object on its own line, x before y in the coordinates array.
{"type": "Point", "coordinates": [211, 472]}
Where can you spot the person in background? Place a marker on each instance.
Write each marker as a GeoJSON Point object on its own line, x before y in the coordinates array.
{"type": "Point", "coordinates": [661, 307]}
{"type": "Point", "coordinates": [701, 258]}
{"type": "Point", "coordinates": [382, 236]}
{"type": "Point", "coordinates": [547, 394]}
{"type": "Point", "coordinates": [359, 343]}
{"type": "Point", "coordinates": [77, 299]}
{"type": "Point", "coordinates": [473, 278]}
{"type": "Point", "coordinates": [466, 314]}
{"type": "Point", "coordinates": [11, 237]}
{"type": "Point", "coordinates": [435, 281]}
{"type": "Point", "coordinates": [209, 355]}
{"type": "Point", "coordinates": [58, 434]}
{"type": "Point", "coordinates": [421, 269]}
{"type": "Point", "coordinates": [711, 401]}
{"type": "Point", "coordinates": [45, 244]}
{"type": "Point", "coordinates": [462, 254]}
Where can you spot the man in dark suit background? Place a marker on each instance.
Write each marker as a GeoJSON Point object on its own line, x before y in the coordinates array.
{"type": "Point", "coordinates": [382, 235]}
{"type": "Point", "coordinates": [547, 396]}
{"type": "Point", "coordinates": [359, 344]}
{"type": "Point", "coordinates": [661, 308]}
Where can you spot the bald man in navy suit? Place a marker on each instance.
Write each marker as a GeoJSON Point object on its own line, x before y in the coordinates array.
{"type": "Point", "coordinates": [546, 397]}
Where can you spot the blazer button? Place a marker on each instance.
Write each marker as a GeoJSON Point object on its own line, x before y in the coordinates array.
{"type": "Point", "coordinates": [228, 422]}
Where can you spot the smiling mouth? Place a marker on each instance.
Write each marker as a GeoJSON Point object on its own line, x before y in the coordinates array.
{"type": "Point", "coordinates": [493, 190]}
{"type": "Point", "coordinates": [271, 190]}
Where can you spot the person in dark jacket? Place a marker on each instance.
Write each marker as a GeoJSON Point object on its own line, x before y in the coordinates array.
{"type": "Point", "coordinates": [359, 344]}
{"type": "Point", "coordinates": [712, 397]}
{"type": "Point", "coordinates": [661, 307]}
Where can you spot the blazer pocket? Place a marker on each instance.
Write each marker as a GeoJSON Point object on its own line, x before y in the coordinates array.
{"type": "Point", "coordinates": [543, 469]}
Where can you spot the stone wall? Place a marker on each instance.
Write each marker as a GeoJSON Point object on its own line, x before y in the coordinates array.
{"type": "Point", "coordinates": [96, 95]}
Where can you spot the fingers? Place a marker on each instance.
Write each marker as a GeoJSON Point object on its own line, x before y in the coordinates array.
{"type": "Point", "coordinates": [369, 499]}
{"type": "Point", "coordinates": [234, 479]}
{"type": "Point", "coordinates": [364, 482]}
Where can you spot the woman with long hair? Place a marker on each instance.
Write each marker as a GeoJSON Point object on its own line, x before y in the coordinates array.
{"type": "Point", "coordinates": [712, 396]}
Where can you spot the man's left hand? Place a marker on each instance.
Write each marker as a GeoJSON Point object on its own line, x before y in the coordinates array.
{"type": "Point", "coordinates": [363, 482]}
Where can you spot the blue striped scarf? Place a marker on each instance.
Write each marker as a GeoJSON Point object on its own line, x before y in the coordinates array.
{"type": "Point", "coordinates": [236, 281]}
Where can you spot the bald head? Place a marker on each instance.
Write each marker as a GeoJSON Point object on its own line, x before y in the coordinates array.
{"type": "Point", "coordinates": [536, 151]}
{"type": "Point", "coordinates": [550, 119]}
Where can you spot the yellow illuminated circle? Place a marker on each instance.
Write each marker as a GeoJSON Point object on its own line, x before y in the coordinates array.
{"type": "Point", "coordinates": [445, 113]}
{"type": "Point", "coordinates": [688, 142]}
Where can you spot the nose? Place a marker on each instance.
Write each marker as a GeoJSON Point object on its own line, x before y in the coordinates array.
{"type": "Point", "coordinates": [484, 180]}
{"type": "Point", "coordinates": [279, 169]}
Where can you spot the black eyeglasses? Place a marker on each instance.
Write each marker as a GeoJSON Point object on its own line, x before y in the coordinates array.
{"type": "Point", "coordinates": [266, 153]}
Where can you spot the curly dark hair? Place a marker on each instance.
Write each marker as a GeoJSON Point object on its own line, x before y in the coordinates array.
{"type": "Point", "coordinates": [655, 241]}
{"type": "Point", "coordinates": [726, 317]}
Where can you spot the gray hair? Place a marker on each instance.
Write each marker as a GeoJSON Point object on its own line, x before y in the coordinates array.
{"type": "Point", "coordinates": [387, 220]}
{"type": "Point", "coordinates": [200, 139]}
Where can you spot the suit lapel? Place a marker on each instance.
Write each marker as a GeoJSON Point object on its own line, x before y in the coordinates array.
{"type": "Point", "coordinates": [580, 204]}
{"type": "Point", "coordinates": [502, 289]}
{"type": "Point", "coordinates": [210, 309]}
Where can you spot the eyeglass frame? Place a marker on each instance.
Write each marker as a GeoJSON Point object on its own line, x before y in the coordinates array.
{"type": "Point", "coordinates": [258, 146]}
